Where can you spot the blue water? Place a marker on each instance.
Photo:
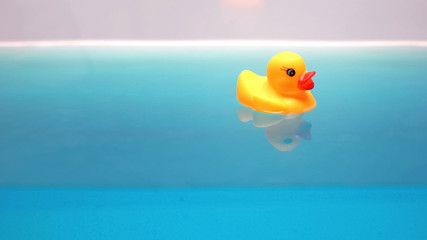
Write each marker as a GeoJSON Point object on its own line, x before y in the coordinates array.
{"type": "Point", "coordinates": [253, 213]}
{"type": "Point", "coordinates": [151, 143]}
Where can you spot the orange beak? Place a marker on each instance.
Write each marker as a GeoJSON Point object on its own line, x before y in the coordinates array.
{"type": "Point", "coordinates": [305, 82]}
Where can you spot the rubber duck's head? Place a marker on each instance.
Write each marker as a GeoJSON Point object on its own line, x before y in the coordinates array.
{"type": "Point", "coordinates": [286, 73]}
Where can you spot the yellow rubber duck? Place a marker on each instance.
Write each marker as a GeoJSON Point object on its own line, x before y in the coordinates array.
{"type": "Point", "coordinates": [285, 89]}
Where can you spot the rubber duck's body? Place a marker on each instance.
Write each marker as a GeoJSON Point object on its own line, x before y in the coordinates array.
{"type": "Point", "coordinates": [285, 89]}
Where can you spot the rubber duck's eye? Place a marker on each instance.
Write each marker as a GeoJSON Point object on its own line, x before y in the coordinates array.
{"type": "Point", "coordinates": [291, 72]}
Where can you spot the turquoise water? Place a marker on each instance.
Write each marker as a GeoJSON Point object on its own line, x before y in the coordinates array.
{"type": "Point", "coordinates": [151, 143]}
{"type": "Point", "coordinates": [211, 213]}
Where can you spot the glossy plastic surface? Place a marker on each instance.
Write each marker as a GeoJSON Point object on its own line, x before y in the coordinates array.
{"type": "Point", "coordinates": [285, 89]}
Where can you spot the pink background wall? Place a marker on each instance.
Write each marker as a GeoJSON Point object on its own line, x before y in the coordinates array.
{"type": "Point", "coordinates": [220, 19]}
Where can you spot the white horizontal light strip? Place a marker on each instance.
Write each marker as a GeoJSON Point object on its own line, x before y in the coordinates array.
{"type": "Point", "coordinates": [212, 43]}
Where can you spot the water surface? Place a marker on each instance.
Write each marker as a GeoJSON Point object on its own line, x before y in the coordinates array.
{"type": "Point", "coordinates": [138, 142]}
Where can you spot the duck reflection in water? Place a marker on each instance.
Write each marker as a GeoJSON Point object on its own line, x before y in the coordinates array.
{"type": "Point", "coordinates": [284, 132]}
